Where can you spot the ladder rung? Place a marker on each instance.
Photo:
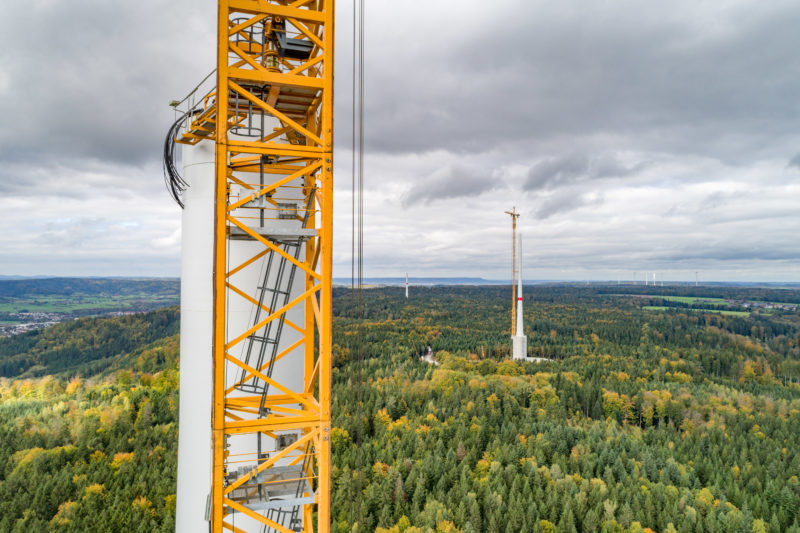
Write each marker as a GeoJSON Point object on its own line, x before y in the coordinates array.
{"type": "Point", "coordinates": [263, 339]}
{"type": "Point", "coordinates": [256, 389]}
{"type": "Point", "coordinates": [270, 289]}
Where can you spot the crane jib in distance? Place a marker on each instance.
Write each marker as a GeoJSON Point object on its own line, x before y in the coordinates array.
{"type": "Point", "coordinates": [267, 131]}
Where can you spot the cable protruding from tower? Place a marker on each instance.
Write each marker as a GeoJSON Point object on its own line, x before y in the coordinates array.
{"type": "Point", "coordinates": [172, 178]}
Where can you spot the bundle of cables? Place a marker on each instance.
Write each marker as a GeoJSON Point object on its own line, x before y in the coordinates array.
{"type": "Point", "coordinates": [172, 178]}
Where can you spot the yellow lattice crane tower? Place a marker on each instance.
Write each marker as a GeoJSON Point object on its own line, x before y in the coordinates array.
{"type": "Point", "coordinates": [268, 131]}
{"type": "Point", "coordinates": [514, 216]}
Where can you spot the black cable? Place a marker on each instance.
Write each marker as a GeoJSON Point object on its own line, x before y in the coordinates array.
{"type": "Point", "coordinates": [172, 178]}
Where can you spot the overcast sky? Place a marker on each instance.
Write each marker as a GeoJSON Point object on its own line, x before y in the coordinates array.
{"type": "Point", "coordinates": [632, 136]}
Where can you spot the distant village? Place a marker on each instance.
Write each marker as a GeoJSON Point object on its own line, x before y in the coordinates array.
{"type": "Point", "coordinates": [16, 323]}
{"type": "Point", "coordinates": [765, 305]}
{"type": "Point", "coordinates": [23, 322]}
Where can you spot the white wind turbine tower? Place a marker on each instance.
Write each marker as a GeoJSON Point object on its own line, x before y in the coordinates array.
{"type": "Point", "coordinates": [519, 343]}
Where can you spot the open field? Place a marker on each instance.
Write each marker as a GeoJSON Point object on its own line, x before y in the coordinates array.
{"type": "Point", "coordinates": [38, 303]}
{"type": "Point", "coordinates": [76, 303]}
{"type": "Point", "coordinates": [686, 300]}
{"type": "Point", "coordinates": [720, 311]}
{"type": "Point", "coordinates": [692, 300]}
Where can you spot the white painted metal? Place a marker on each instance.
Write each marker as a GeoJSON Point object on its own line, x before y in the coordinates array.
{"type": "Point", "coordinates": [519, 287]}
{"type": "Point", "coordinates": [197, 245]}
{"type": "Point", "coordinates": [519, 343]}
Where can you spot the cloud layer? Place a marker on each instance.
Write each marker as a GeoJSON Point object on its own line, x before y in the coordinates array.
{"type": "Point", "coordinates": [659, 137]}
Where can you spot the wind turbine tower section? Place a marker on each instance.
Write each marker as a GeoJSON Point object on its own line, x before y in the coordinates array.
{"type": "Point", "coordinates": [519, 342]}
{"type": "Point", "coordinates": [254, 438]}
{"type": "Point", "coordinates": [514, 216]}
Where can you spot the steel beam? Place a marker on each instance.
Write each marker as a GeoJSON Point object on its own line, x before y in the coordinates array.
{"type": "Point", "coordinates": [241, 69]}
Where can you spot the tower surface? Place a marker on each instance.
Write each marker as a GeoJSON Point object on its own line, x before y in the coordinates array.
{"type": "Point", "coordinates": [197, 252]}
{"type": "Point", "coordinates": [519, 347]}
{"type": "Point", "coordinates": [519, 342]}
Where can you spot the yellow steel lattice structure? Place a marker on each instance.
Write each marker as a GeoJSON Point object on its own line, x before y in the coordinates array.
{"type": "Point", "coordinates": [272, 120]}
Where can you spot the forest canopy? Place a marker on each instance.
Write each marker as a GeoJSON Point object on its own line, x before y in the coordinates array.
{"type": "Point", "coordinates": [669, 420]}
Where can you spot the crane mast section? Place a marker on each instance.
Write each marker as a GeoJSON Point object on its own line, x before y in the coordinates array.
{"type": "Point", "coordinates": [271, 117]}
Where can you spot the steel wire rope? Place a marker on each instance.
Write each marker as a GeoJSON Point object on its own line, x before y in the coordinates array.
{"type": "Point", "coordinates": [357, 256]}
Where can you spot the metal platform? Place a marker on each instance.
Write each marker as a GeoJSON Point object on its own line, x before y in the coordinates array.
{"type": "Point", "coordinates": [292, 101]}
{"type": "Point", "coordinates": [280, 487]}
{"type": "Point", "coordinates": [273, 232]}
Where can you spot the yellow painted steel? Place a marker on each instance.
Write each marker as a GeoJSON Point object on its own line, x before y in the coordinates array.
{"type": "Point", "coordinates": [514, 217]}
{"type": "Point", "coordinates": [300, 149]}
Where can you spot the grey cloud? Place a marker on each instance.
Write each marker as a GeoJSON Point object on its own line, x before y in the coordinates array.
{"type": "Point", "coordinates": [711, 203]}
{"type": "Point", "coordinates": [84, 79]}
{"type": "Point", "coordinates": [689, 93]}
{"type": "Point", "coordinates": [725, 252]}
{"type": "Point", "coordinates": [452, 181]}
{"type": "Point", "coordinates": [755, 207]}
{"type": "Point", "coordinates": [557, 172]}
{"type": "Point", "coordinates": [95, 80]}
{"type": "Point", "coordinates": [679, 77]}
{"type": "Point", "coordinates": [718, 199]}
{"type": "Point", "coordinates": [81, 179]}
{"type": "Point", "coordinates": [74, 232]}
{"type": "Point", "coordinates": [565, 201]}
